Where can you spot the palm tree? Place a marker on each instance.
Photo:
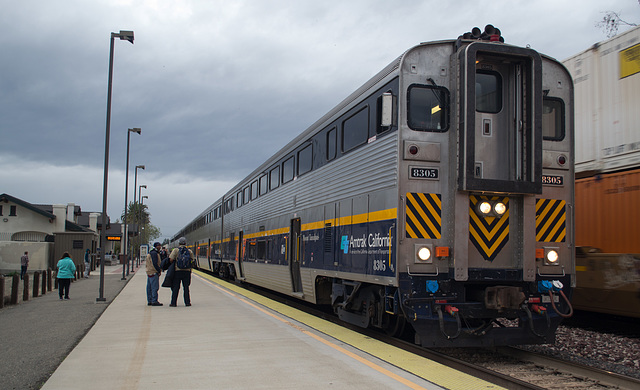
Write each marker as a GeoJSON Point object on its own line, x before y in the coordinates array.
{"type": "Point", "coordinates": [138, 219]}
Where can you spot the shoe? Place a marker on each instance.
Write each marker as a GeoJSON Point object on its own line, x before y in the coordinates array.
{"type": "Point", "coordinates": [156, 304]}
{"type": "Point", "coordinates": [188, 304]}
{"type": "Point", "coordinates": [60, 298]}
{"type": "Point", "coordinates": [67, 298]}
{"type": "Point", "coordinates": [172, 305]}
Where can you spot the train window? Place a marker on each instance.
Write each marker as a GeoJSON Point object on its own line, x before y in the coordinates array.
{"type": "Point", "coordinates": [264, 187]}
{"type": "Point", "coordinates": [274, 178]}
{"type": "Point", "coordinates": [239, 201]}
{"type": "Point", "coordinates": [246, 194]}
{"type": "Point", "coordinates": [332, 144]}
{"type": "Point", "coordinates": [552, 119]}
{"type": "Point", "coordinates": [254, 190]}
{"type": "Point", "coordinates": [262, 250]}
{"type": "Point", "coordinates": [488, 91]}
{"type": "Point", "coordinates": [305, 160]}
{"type": "Point", "coordinates": [355, 130]}
{"type": "Point", "coordinates": [287, 170]}
{"type": "Point", "coordinates": [428, 108]}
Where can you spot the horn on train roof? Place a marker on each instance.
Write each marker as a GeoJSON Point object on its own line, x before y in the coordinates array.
{"type": "Point", "coordinates": [490, 33]}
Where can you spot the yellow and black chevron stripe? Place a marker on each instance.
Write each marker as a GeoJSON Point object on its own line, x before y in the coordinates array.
{"type": "Point", "coordinates": [423, 216]}
{"type": "Point", "coordinates": [551, 220]}
{"type": "Point", "coordinates": [488, 234]}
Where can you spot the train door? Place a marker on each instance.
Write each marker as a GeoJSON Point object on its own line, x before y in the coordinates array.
{"type": "Point", "coordinates": [240, 253]}
{"type": "Point", "coordinates": [501, 145]}
{"type": "Point", "coordinates": [209, 254]}
{"type": "Point", "coordinates": [295, 254]}
{"type": "Point", "coordinates": [329, 227]}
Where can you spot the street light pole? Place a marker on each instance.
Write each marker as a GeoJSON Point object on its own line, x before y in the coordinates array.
{"type": "Point", "coordinates": [135, 201]}
{"type": "Point", "coordinates": [128, 35]}
{"type": "Point", "coordinates": [140, 217]}
{"type": "Point", "coordinates": [144, 224]}
{"type": "Point", "coordinates": [126, 190]}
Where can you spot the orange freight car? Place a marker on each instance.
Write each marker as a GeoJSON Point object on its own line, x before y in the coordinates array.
{"type": "Point", "coordinates": [608, 218]}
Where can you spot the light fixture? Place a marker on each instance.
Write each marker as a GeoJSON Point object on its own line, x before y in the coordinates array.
{"type": "Point", "coordinates": [491, 208]}
{"type": "Point", "coordinates": [424, 253]}
{"type": "Point", "coordinates": [551, 256]}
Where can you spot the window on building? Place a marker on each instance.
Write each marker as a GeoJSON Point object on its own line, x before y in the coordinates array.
{"type": "Point", "coordinates": [13, 211]}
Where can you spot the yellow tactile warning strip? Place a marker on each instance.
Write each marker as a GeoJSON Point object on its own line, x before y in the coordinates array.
{"type": "Point", "coordinates": [426, 369]}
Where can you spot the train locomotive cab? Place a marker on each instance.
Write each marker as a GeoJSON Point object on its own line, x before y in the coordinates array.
{"type": "Point", "coordinates": [486, 185]}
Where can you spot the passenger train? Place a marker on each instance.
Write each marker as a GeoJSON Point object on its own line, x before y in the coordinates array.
{"type": "Point", "coordinates": [438, 197]}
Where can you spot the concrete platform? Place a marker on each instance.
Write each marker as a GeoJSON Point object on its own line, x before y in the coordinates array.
{"type": "Point", "coordinates": [233, 339]}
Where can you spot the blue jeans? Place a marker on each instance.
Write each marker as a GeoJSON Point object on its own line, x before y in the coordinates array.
{"type": "Point", "coordinates": [152, 288]}
{"type": "Point", "coordinates": [23, 271]}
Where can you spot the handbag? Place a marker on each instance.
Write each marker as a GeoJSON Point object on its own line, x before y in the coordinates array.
{"type": "Point", "coordinates": [168, 277]}
{"type": "Point", "coordinates": [166, 262]}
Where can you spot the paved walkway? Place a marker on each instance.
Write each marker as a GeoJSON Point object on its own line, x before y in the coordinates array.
{"type": "Point", "coordinates": [38, 334]}
{"type": "Point", "coordinates": [233, 339]}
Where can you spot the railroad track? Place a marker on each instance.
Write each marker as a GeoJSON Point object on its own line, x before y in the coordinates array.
{"type": "Point", "coordinates": [508, 367]}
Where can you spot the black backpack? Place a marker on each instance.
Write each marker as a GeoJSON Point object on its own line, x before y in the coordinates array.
{"type": "Point", "coordinates": [184, 258]}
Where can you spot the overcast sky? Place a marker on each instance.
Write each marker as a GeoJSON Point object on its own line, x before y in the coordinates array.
{"type": "Point", "coordinates": [216, 86]}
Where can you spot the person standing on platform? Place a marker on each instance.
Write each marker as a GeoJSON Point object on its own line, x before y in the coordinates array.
{"type": "Point", "coordinates": [153, 275]}
{"type": "Point", "coordinates": [87, 263]}
{"type": "Point", "coordinates": [66, 271]}
{"type": "Point", "coordinates": [183, 258]}
{"type": "Point", "coordinates": [24, 264]}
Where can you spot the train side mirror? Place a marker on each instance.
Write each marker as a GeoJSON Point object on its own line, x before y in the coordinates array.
{"type": "Point", "coordinates": [386, 118]}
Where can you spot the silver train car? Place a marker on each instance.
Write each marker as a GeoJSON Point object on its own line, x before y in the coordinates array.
{"type": "Point", "coordinates": [438, 198]}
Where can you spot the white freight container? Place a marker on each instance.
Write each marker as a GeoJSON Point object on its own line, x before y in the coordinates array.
{"type": "Point", "coordinates": [607, 104]}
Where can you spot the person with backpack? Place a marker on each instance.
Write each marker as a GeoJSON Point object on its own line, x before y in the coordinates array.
{"type": "Point", "coordinates": [183, 258]}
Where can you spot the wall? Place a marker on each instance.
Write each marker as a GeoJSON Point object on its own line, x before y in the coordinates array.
{"type": "Point", "coordinates": [40, 255]}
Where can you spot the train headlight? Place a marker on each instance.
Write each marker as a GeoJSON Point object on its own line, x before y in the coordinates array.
{"type": "Point", "coordinates": [485, 208]}
{"type": "Point", "coordinates": [424, 253]}
{"type": "Point", "coordinates": [490, 208]}
{"type": "Point", "coordinates": [551, 256]}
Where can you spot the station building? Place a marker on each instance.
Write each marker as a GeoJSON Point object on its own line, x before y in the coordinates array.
{"type": "Point", "coordinates": [47, 231]}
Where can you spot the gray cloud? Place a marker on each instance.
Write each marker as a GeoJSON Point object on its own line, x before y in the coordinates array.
{"type": "Point", "coordinates": [216, 86]}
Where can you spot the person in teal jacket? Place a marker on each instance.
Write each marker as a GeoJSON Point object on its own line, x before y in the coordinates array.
{"type": "Point", "coordinates": [66, 272]}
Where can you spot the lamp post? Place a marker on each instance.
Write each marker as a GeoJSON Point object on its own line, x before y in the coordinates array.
{"type": "Point", "coordinates": [140, 187]}
{"type": "Point", "coordinates": [135, 201]}
{"type": "Point", "coordinates": [126, 190]}
{"type": "Point", "coordinates": [142, 208]}
{"type": "Point", "coordinates": [128, 35]}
